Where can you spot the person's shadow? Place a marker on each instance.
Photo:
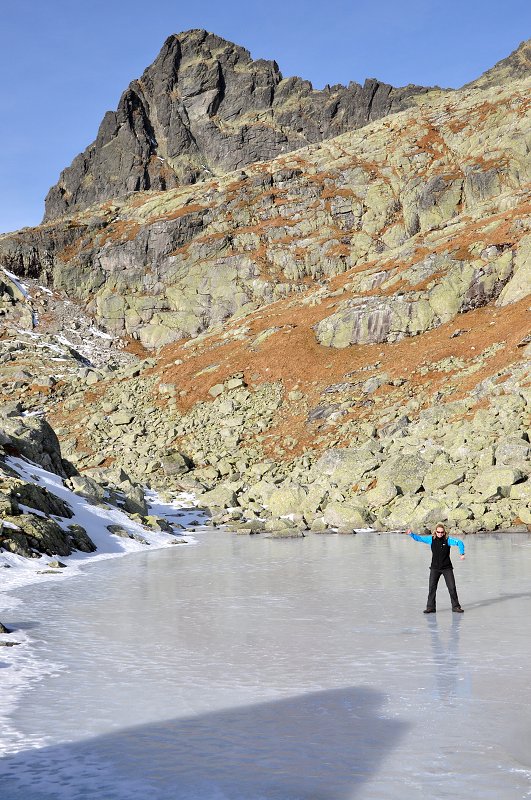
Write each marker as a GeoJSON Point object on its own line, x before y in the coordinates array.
{"type": "Point", "coordinates": [495, 600]}
{"type": "Point", "coordinates": [315, 746]}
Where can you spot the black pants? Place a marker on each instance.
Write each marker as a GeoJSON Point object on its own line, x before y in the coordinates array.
{"type": "Point", "coordinates": [435, 574]}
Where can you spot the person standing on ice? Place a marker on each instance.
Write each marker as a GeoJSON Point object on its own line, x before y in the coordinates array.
{"type": "Point", "coordinates": [441, 565]}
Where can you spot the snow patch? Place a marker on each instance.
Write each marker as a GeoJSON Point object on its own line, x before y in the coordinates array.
{"type": "Point", "coordinates": [101, 334]}
{"type": "Point", "coordinates": [20, 286]}
{"type": "Point", "coordinates": [18, 571]}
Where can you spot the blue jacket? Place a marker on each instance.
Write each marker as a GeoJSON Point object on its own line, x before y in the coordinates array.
{"type": "Point", "coordinates": [429, 538]}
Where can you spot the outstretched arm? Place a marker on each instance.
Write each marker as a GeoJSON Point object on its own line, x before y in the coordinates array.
{"type": "Point", "coordinates": [418, 538]}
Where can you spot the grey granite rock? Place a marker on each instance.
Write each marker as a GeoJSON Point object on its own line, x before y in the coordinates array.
{"type": "Point", "coordinates": [35, 439]}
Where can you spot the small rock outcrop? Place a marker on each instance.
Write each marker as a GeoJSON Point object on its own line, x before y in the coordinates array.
{"type": "Point", "coordinates": [34, 438]}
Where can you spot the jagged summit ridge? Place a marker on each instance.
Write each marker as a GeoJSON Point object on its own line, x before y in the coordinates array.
{"type": "Point", "coordinates": [206, 107]}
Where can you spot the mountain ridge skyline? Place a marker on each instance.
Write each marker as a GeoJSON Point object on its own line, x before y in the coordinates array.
{"type": "Point", "coordinates": [191, 153]}
{"type": "Point", "coordinates": [63, 69]}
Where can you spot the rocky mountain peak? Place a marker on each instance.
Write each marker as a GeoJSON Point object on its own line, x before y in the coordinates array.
{"type": "Point", "coordinates": [516, 66]}
{"type": "Point", "coordinates": [205, 107]}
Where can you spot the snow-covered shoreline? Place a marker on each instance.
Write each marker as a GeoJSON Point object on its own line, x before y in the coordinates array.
{"type": "Point", "coordinates": [17, 571]}
{"type": "Point", "coordinates": [18, 663]}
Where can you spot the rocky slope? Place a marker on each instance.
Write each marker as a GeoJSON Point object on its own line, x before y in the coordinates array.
{"type": "Point", "coordinates": [276, 433]}
{"type": "Point", "coordinates": [333, 339]}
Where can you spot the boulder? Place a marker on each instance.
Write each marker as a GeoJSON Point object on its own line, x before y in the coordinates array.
{"type": "Point", "coordinates": [512, 451]}
{"type": "Point", "coordinates": [399, 513]}
{"type": "Point", "coordinates": [223, 496]}
{"type": "Point", "coordinates": [217, 390]}
{"type": "Point", "coordinates": [521, 491]}
{"type": "Point", "coordinates": [38, 534]}
{"type": "Point", "coordinates": [80, 539]}
{"type": "Point", "coordinates": [406, 471]}
{"type": "Point", "coordinates": [280, 524]}
{"type": "Point", "coordinates": [158, 523]}
{"type": "Point", "coordinates": [121, 418]}
{"type": "Point", "coordinates": [234, 383]}
{"type": "Point", "coordinates": [318, 525]}
{"type": "Point", "coordinates": [135, 502]}
{"type": "Point", "coordinates": [123, 533]}
{"type": "Point", "coordinates": [375, 319]}
{"type": "Point", "coordinates": [260, 469]}
{"type": "Point", "coordinates": [287, 500]}
{"type": "Point", "coordinates": [262, 491]}
{"type": "Point", "coordinates": [524, 513]}
{"type": "Point", "coordinates": [119, 530]}
{"type": "Point", "coordinates": [284, 533]}
{"type": "Point", "coordinates": [497, 481]}
{"type": "Point", "coordinates": [33, 496]}
{"type": "Point", "coordinates": [176, 463]}
{"type": "Point", "coordinates": [431, 511]}
{"type": "Point", "coordinates": [441, 476]}
{"type": "Point", "coordinates": [35, 439]}
{"type": "Point", "coordinates": [345, 515]}
{"type": "Point", "coordinates": [470, 526]}
{"type": "Point", "coordinates": [92, 377]}
{"type": "Point", "coordinates": [316, 499]}
{"type": "Point", "coordinates": [86, 487]}
{"type": "Point", "coordinates": [347, 466]}
{"type": "Point", "coordinates": [382, 494]}
{"type": "Point", "coordinates": [490, 521]}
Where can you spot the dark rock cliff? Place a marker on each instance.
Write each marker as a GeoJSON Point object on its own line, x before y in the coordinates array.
{"type": "Point", "coordinates": [205, 107]}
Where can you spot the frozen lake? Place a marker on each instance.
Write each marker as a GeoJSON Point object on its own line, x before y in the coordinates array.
{"type": "Point", "coordinates": [246, 668]}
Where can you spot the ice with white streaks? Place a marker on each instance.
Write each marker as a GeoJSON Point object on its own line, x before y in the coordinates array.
{"type": "Point", "coordinates": [248, 668]}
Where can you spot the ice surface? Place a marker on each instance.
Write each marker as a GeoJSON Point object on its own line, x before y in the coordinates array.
{"type": "Point", "coordinates": [248, 668]}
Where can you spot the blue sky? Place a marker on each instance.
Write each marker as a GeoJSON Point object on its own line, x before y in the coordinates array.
{"type": "Point", "coordinates": [65, 62]}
